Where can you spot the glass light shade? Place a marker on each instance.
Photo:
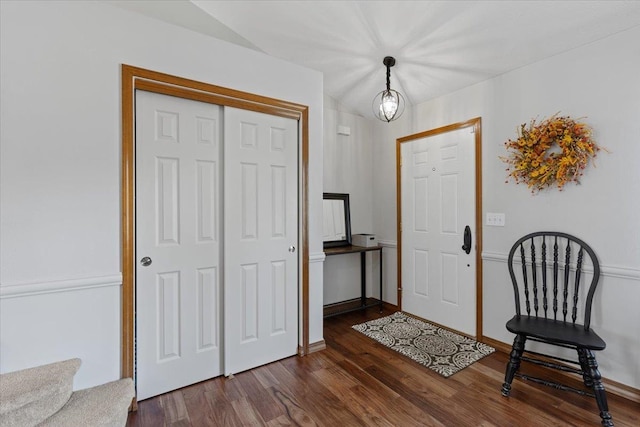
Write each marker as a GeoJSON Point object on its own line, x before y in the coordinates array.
{"type": "Point", "coordinates": [388, 105]}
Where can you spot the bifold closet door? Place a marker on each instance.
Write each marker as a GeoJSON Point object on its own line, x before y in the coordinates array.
{"type": "Point", "coordinates": [261, 239]}
{"type": "Point", "coordinates": [178, 243]}
{"type": "Point", "coordinates": [183, 269]}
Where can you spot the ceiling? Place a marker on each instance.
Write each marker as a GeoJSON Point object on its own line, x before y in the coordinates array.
{"type": "Point", "coordinates": [439, 46]}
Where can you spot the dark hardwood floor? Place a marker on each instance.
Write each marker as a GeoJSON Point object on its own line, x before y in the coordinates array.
{"type": "Point", "coordinates": [357, 382]}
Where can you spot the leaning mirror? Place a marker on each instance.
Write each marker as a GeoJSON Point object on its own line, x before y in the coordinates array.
{"type": "Point", "coordinates": [336, 220]}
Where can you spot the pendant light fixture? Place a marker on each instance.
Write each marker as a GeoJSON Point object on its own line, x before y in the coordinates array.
{"type": "Point", "coordinates": [388, 105]}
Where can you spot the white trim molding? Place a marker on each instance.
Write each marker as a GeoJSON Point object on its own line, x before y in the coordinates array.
{"type": "Point", "coordinates": [388, 243]}
{"type": "Point", "coordinates": [317, 257]}
{"type": "Point", "coordinates": [29, 289]}
{"type": "Point", "coordinates": [605, 270]}
{"type": "Point", "coordinates": [494, 256]}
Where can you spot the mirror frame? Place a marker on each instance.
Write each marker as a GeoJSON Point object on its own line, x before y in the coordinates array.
{"type": "Point", "coordinates": [347, 219]}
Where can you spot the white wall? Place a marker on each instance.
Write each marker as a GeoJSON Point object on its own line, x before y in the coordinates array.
{"type": "Point", "coordinates": [385, 202]}
{"type": "Point", "coordinates": [60, 168]}
{"type": "Point", "coordinates": [601, 83]}
{"type": "Point", "coordinates": [348, 169]}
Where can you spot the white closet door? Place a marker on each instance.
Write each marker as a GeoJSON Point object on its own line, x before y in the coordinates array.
{"type": "Point", "coordinates": [178, 295]}
{"type": "Point", "coordinates": [261, 239]}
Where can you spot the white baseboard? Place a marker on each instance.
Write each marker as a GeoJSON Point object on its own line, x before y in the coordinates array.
{"type": "Point", "coordinates": [317, 346]}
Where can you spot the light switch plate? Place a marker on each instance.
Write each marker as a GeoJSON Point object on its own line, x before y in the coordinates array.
{"type": "Point", "coordinates": [495, 219]}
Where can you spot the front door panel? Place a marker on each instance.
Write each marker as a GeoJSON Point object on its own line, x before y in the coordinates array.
{"type": "Point", "coordinates": [438, 202]}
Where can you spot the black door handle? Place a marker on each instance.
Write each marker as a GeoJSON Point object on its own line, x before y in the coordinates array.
{"type": "Point", "coordinates": [467, 239]}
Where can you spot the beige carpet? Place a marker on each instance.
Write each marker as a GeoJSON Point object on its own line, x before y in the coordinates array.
{"type": "Point", "coordinates": [439, 349]}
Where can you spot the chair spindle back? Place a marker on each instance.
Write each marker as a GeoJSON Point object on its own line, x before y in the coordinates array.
{"type": "Point", "coordinates": [534, 281]}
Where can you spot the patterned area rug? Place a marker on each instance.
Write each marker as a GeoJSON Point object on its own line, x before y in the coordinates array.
{"type": "Point", "coordinates": [443, 351]}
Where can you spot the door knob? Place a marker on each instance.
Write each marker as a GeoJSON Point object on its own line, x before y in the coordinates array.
{"type": "Point", "coordinates": [292, 248]}
{"type": "Point", "coordinates": [467, 239]}
{"type": "Point", "coordinates": [146, 261]}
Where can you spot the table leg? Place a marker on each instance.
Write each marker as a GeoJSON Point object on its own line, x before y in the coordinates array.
{"type": "Point", "coordinates": [363, 279]}
{"type": "Point", "coordinates": [380, 280]}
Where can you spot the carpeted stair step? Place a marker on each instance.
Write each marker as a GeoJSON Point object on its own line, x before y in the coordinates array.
{"type": "Point", "coordinates": [30, 396]}
{"type": "Point", "coordinates": [103, 405]}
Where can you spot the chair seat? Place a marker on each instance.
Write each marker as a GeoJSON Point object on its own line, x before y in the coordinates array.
{"type": "Point", "coordinates": [556, 331]}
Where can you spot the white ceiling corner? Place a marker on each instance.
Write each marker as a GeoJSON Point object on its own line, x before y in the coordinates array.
{"type": "Point", "coordinates": [439, 46]}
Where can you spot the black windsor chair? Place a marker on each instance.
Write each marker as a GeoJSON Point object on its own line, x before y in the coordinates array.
{"type": "Point", "coordinates": [548, 284]}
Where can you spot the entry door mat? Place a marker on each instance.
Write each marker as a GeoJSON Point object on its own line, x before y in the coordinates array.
{"type": "Point", "coordinates": [439, 349]}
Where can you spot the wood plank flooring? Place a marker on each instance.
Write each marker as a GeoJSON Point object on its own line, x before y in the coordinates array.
{"type": "Point", "coordinates": [358, 382]}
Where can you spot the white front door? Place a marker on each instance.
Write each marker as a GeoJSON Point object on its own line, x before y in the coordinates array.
{"type": "Point", "coordinates": [261, 239]}
{"type": "Point", "coordinates": [178, 295]}
{"type": "Point", "coordinates": [438, 202]}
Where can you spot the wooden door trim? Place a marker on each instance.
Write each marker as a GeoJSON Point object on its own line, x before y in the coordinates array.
{"type": "Point", "coordinates": [476, 124]}
{"type": "Point", "coordinates": [138, 78]}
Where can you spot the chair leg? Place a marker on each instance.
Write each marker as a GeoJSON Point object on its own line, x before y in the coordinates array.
{"type": "Point", "coordinates": [598, 388]}
{"type": "Point", "coordinates": [582, 358]}
{"type": "Point", "coordinates": [514, 363]}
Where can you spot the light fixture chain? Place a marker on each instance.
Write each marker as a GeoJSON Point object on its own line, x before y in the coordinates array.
{"type": "Point", "coordinates": [388, 78]}
{"type": "Point", "coordinates": [389, 104]}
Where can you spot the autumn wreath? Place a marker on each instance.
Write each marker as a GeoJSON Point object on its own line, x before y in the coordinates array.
{"type": "Point", "coordinates": [552, 152]}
